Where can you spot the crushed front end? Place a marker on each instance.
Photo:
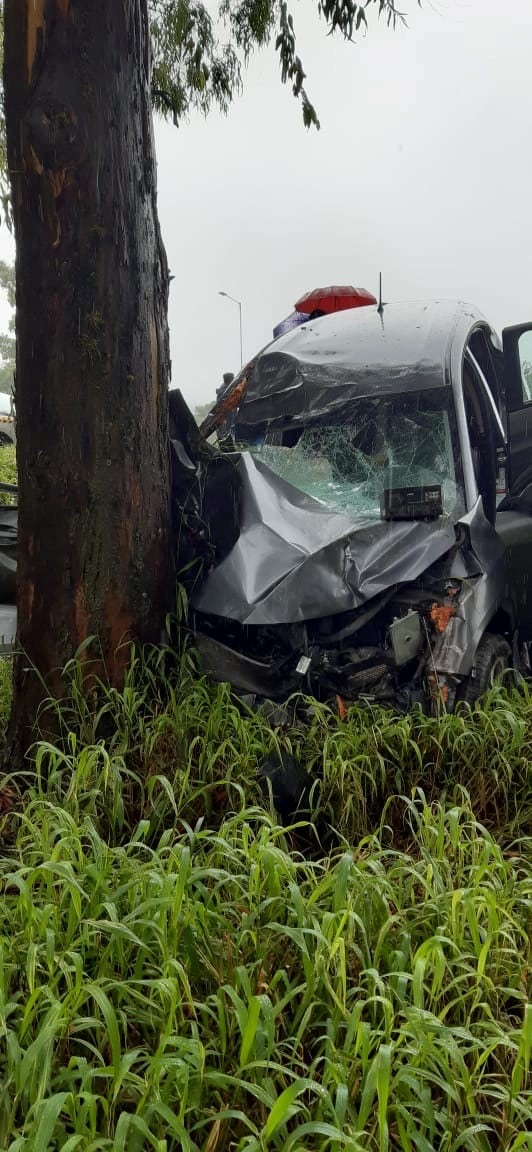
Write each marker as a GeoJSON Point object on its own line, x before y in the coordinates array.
{"type": "Point", "coordinates": [311, 600]}
{"type": "Point", "coordinates": [407, 646]}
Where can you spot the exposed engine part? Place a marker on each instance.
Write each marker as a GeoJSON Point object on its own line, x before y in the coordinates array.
{"type": "Point", "coordinates": [357, 622]}
{"type": "Point", "coordinates": [352, 671]}
{"type": "Point", "coordinates": [405, 636]}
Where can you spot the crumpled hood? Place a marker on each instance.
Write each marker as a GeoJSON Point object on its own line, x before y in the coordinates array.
{"type": "Point", "coordinates": [297, 560]}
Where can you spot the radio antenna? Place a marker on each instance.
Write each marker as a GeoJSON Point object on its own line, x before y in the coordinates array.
{"type": "Point", "coordinates": [380, 306]}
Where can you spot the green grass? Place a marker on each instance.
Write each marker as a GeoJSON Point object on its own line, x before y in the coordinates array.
{"type": "Point", "coordinates": [174, 974]}
{"type": "Point", "coordinates": [214, 987]}
{"type": "Point", "coordinates": [8, 469]}
{"type": "Point", "coordinates": [185, 741]}
{"type": "Point", "coordinates": [5, 692]}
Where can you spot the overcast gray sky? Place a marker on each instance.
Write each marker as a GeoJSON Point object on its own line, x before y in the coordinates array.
{"type": "Point", "coordinates": [422, 169]}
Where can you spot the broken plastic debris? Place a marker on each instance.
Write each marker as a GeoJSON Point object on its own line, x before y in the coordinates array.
{"type": "Point", "coordinates": [440, 614]}
{"type": "Point", "coordinates": [342, 707]}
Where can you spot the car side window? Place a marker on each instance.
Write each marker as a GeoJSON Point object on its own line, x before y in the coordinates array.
{"type": "Point", "coordinates": [485, 355]}
{"type": "Point", "coordinates": [482, 438]}
{"type": "Point", "coordinates": [525, 357]}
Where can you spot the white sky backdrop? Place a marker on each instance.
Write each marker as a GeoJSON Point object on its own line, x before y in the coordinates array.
{"type": "Point", "coordinates": [422, 169]}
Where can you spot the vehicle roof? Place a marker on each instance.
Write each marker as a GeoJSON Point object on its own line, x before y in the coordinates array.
{"type": "Point", "coordinates": [325, 364]}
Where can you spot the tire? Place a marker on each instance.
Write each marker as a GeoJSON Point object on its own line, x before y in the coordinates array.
{"type": "Point", "coordinates": [493, 659]}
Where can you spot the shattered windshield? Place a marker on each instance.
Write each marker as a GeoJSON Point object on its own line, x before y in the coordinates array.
{"type": "Point", "coordinates": [386, 442]}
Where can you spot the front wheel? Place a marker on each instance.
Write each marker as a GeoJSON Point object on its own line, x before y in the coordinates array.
{"type": "Point", "coordinates": [492, 661]}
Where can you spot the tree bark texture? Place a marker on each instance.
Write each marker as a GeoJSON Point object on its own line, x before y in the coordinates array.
{"type": "Point", "coordinates": [92, 338]}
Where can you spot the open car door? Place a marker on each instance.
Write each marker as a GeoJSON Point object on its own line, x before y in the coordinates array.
{"type": "Point", "coordinates": [515, 525]}
{"type": "Point", "coordinates": [517, 345]}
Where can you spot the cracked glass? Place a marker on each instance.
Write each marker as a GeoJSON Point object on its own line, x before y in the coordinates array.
{"type": "Point", "coordinates": [387, 442]}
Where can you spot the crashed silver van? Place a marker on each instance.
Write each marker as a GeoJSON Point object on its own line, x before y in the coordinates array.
{"type": "Point", "coordinates": [369, 557]}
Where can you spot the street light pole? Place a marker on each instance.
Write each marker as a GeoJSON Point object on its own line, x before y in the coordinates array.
{"type": "Point", "coordinates": [235, 301]}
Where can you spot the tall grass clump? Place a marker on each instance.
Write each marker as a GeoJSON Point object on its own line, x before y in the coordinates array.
{"type": "Point", "coordinates": [168, 746]}
{"type": "Point", "coordinates": [5, 693]}
{"type": "Point", "coordinates": [207, 988]}
{"type": "Point", "coordinates": [175, 974]}
{"type": "Point", "coordinates": [356, 764]}
{"type": "Point", "coordinates": [183, 745]}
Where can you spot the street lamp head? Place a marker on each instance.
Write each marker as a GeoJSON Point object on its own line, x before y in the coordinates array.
{"type": "Point", "coordinates": [239, 303]}
{"type": "Point", "coordinates": [229, 297]}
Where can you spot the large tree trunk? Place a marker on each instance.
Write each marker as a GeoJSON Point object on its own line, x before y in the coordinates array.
{"type": "Point", "coordinates": [92, 338]}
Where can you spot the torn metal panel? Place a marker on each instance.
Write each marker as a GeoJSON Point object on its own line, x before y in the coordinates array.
{"type": "Point", "coordinates": [206, 496]}
{"type": "Point", "coordinates": [266, 678]}
{"type": "Point", "coordinates": [455, 643]}
{"type": "Point", "coordinates": [296, 560]}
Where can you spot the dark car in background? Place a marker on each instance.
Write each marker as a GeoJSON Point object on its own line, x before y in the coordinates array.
{"type": "Point", "coordinates": [373, 558]}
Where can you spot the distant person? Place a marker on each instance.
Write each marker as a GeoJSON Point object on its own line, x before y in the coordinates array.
{"type": "Point", "coordinates": [227, 379]}
{"type": "Point", "coordinates": [228, 426]}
